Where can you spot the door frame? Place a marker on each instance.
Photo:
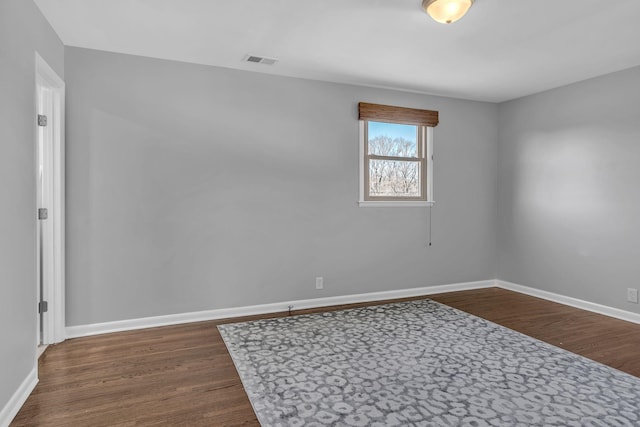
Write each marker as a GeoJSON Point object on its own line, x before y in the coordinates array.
{"type": "Point", "coordinates": [54, 286]}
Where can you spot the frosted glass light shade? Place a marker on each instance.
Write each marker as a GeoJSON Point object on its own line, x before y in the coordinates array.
{"type": "Point", "coordinates": [446, 11]}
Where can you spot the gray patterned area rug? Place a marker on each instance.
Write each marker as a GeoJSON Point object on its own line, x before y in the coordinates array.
{"type": "Point", "coordinates": [420, 363]}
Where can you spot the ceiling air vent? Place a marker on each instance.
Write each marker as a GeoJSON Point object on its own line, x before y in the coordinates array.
{"type": "Point", "coordinates": [260, 60]}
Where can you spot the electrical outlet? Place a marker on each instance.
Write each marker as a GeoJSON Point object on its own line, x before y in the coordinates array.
{"type": "Point", "coordinates": [319, 283]}
{"type": "Point", "coordinates": [632, 295]}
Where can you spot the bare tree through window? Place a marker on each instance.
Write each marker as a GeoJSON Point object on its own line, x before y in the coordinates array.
{"type": "Point", "coordinates": [389, 177]}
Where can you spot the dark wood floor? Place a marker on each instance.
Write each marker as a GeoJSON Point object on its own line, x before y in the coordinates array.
{"type": "Point", "coordinates": [183, 375]}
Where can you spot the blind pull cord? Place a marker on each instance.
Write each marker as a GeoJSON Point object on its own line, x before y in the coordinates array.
{"type": "Point", "coordinates": [429, 225]}
{"type": "Point", "coordinates": [431, 195]}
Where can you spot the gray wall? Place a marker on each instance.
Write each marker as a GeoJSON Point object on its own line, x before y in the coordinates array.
{"type": "Point", "coordinates": [193, 188]}
{"type": "Point", "coordinates": [23, 30]}
{"type": "Point", "coordinates": [569, 198]}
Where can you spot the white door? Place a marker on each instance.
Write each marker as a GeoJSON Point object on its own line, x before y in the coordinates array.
{"type": "Point", "coordinates": [44, 190]}
{"type": "Point", "coordinates": [50, 203]}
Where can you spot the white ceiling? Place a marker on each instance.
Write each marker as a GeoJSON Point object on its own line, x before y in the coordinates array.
{"type": "Point", "coordinates": [502, 49]}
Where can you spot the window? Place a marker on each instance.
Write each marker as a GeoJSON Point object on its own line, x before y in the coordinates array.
{"type": "Point", "coordinates": [396, 155]}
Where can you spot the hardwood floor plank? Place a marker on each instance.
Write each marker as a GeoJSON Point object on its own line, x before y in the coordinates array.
{"type": "Point", "coordinates": [183, 375]}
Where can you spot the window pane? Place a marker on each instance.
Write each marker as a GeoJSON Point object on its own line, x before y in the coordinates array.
{"type": "Point", "coordinates": [391, 178]}
{"type": "Point", "coordinates": [389, 139]}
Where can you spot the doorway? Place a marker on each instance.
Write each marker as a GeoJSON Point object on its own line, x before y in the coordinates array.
{"type": "Point", "coordinates": [50, 91]}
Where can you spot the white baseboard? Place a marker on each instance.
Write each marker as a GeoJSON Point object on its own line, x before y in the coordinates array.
{"type": "Point", "coordinates": [573, 302]}
{"type": "Point", "coordinates": [14, 404]}
{"type": "Point", "coordinates": [198, 316]}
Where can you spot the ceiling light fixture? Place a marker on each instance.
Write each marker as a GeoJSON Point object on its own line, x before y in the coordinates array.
{"type": "Point", "coordinates": [446, 11]}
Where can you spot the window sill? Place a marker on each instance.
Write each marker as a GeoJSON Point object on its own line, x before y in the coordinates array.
{"type": "Point", "coordinates": [398, 204]}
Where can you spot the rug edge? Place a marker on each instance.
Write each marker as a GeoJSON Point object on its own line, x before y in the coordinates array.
{"type": "Point", "coordinates": [223, 333]}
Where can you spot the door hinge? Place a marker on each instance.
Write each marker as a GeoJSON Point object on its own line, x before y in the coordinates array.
{"type": "Point", "coordinates": [43, 213]}
{"type": "Point", "coordinates": [42, 120]}
{"type": "Point", "coordinates": [43, 307]}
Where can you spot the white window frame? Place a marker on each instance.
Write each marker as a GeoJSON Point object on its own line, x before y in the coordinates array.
{"type": "Point", "coordinates": [362, 158]}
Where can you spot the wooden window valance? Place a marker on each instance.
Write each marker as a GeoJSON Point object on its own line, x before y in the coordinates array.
{"type": "Point", "coordinates": [400, 115]}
